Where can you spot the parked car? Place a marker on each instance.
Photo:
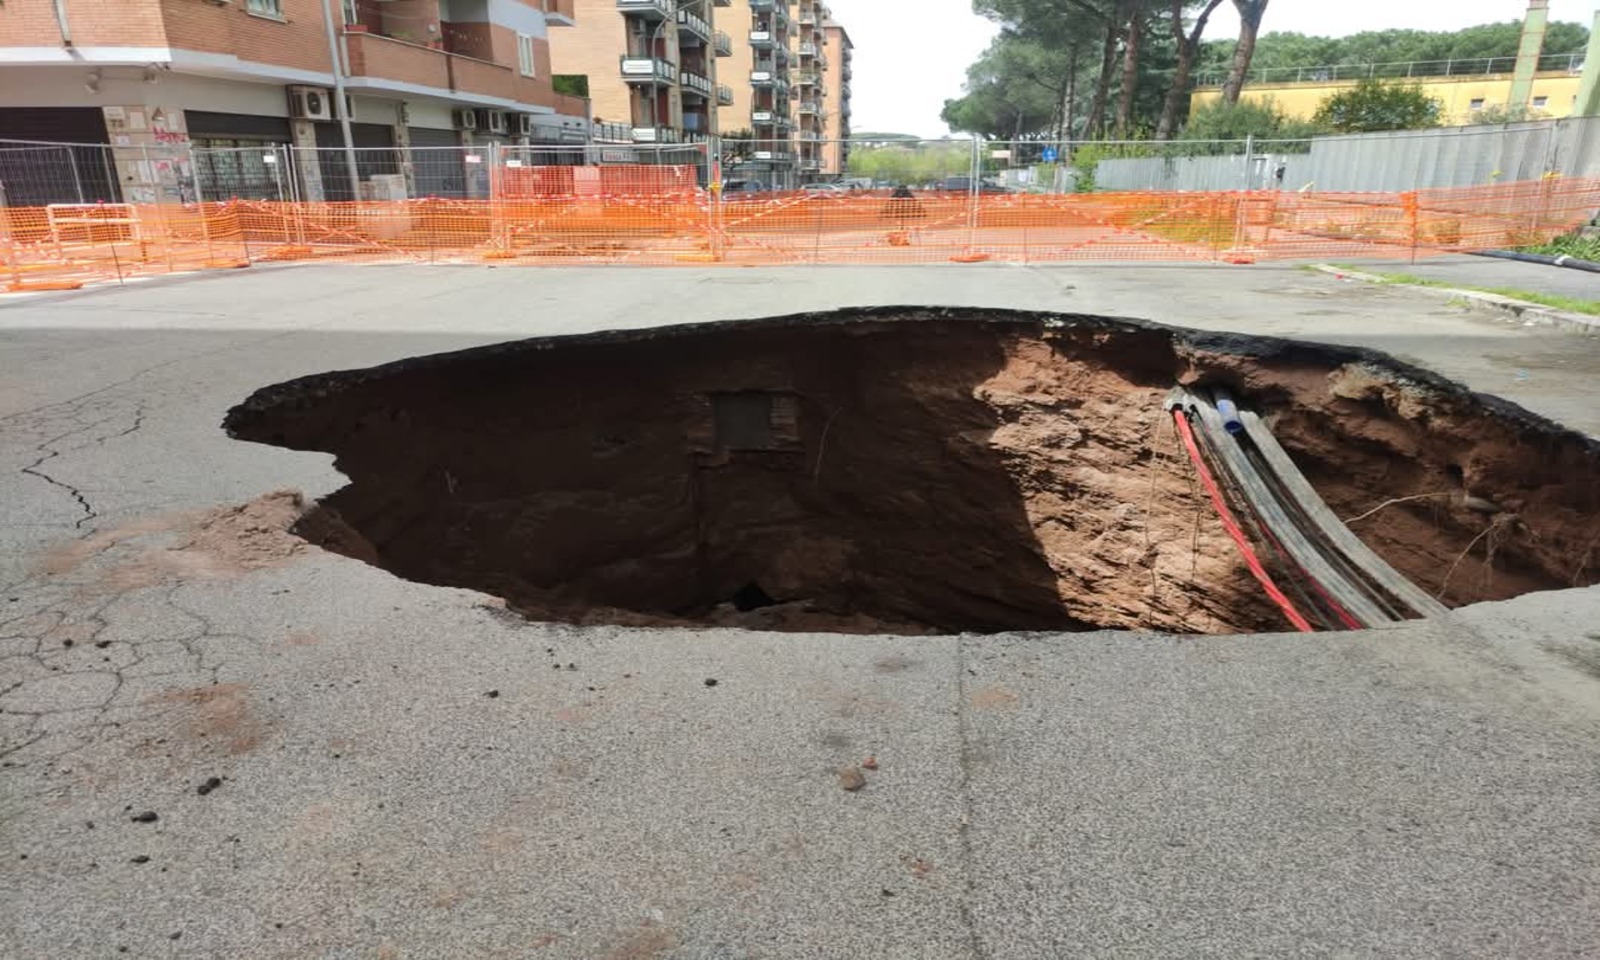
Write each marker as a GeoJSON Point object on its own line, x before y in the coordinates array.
{"type": "Point", "coordinates": [824, 189]}
{"type": "Point", "coordinates": [964, 185]}
{"type": "Point", "coordinates": [744, 188]}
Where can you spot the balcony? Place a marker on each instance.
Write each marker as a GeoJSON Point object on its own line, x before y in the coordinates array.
{"type": "Point", "coordinates": [772, 156]}
{"type": "Point", "coordinates": [809, 108]}
{"type": "Point", "coordinates": [695, 84]}
{"type": "Point", "coordinates": [808, 78]}
{"type": "Point", "coordinates": [372, 55]}
{"type": "Point", "coordinates": [723, 44]}
{"type": "Point", "coordinates": [560, 13]}
{"type": "Point", "coordinates": [655, 135]}
{"type": "Point", "coordinates": [808, 17]}
{"type": "Point", "coordinates": [765, 78]}
{"type": "Point", "coordinates": [808, 49]}
{"type": "Point", "coordinates": [762, 39]}
{"type": "Point", "coordinates": [812, 165]}
{"type": "Point", "coordinates": [651, 70]}
{"type": "Point", "coordinates": [649, 9]}
{"type": "Point", "coordinates": [810, 136]}
{"type": "Point", "coordinates": [694, 25]}
{"type": "Point", "coordinates": [724, 95]}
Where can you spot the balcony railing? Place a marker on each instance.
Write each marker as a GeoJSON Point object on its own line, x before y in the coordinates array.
{"type": "Point", "coordinates": [808, 49]}
{"type": "Point", "coordinates": [762, 39]}
{"type": "Point", "coordinates": [772, 156]}
{"type": "Point", "coordinates": [723, 44]}
{"type": "Point", "coordinates": [609, 132]}
{"type": "Point", "coordinates": [655, 135]}
{"type": "Point", "coordinates": [694, 83]}
{"type": "Point", "coordinates": [1408, 69]}
{"type": "Point", "coordinates": [724, 95]}
{"type": "Point", "coordinates": [812, 165]}
{"type": "Point", "coordinates": [809, 107]}
{"type": "Point", "coordinates": [694, 25]}
{"type": "Point", "coordinates": [810, 135]}
{"type": "Point", "coordinates": [650, 9]}
{"type": "Point", "coordinates": [808, 78]}
{"type": "Point", "coordinates": [648, 70]}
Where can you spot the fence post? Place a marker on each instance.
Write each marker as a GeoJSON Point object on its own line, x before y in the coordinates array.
{"type": "Point", "coordinates": [1410, 204]}
{"type": "Point", "coordinates": [972, 191]}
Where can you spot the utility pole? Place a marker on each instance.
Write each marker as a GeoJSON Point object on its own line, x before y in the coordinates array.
{"type": "Point", "coordinates": [339, 104]}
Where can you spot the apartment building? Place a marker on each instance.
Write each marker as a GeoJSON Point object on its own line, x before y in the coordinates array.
{"type": "Point", "coordinates": [836, 81]}
{"type": "Point", "coordinates": [650, 66]}
{"type": "Point", "coordinates": [148, 76]}
{"type": "Point", "coordinates": [812, 106]}
{"type": "Point", "coordinates": [759, 122]}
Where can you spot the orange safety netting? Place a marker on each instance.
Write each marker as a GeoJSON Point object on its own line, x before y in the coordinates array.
{"type": "Point", "coordinates": [658, 216]}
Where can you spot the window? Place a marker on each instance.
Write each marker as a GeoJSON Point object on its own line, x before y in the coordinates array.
{"type": "Point", "coordinates": [1477, 104]}
{"type": "Point", "coordinates": [1540, 103]}
{"type": "Point", "coordinates": [265, 8]}
{"type": "Point", "coordinates": [525, 54]}
{"type": "Point", "coordinates": [352, 15]}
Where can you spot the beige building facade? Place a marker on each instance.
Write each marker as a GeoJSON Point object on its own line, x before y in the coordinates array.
{"type": "Point", "coordinates": [836, 120]}
{"type": "Point", "coordinates": [651, 67]}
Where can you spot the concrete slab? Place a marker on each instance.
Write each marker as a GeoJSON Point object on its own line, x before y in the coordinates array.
{"type": "Point", "coordinates": [406, 771]}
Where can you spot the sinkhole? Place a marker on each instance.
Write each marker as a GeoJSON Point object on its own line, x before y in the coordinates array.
{"type": "Point", "coordinates": [911, 470]}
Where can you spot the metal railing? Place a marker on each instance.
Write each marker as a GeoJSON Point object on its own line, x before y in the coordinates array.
{"type": "Point", "coordinates": [94, 212]}
{"type": "Point", "coordinates": [651, 8]}
{"type": "Point", "coordinates": [1410, 69]}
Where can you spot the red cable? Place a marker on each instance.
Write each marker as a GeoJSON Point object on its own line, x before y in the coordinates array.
{"type": "Point", "coordinates": [1234, 530]}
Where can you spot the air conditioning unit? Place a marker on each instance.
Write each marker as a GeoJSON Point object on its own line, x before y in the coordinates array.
{"type": "Point", "coordinates": [494, 121]}
{"type": "Point", "coordinates": [525, 125]}
{"type": "Point", "coordinates": [310, 103]}
{"type": "Point", "coordinates": [465, 119]}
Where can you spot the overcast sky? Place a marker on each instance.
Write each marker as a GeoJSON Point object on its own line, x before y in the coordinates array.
{"type": "Point", "coordinates": [913, 54]}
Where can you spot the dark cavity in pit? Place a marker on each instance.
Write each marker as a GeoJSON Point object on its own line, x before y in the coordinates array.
{"type": "Point", "coordinates": [910, 470]}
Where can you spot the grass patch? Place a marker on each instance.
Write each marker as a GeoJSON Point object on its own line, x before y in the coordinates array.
{"type": "Point", "coordinates": [1589, 308]}
{"type": "Point", "coordinates": [1571, 245]}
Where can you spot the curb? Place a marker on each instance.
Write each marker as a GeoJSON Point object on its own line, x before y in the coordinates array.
{"type": "Point", "coordinates": [1530, 313]}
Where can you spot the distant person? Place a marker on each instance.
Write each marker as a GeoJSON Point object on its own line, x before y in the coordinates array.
{"type": "Point", "coordinates": [903, 206]}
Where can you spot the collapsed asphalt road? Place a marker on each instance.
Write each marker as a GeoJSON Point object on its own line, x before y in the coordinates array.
{"type": "Point", "coordinates": [344, 763]}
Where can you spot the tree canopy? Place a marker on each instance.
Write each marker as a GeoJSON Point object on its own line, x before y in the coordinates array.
{"type": "Point", "coordinates": [1090, 69]}
{"type": "Point", "coordinates": [1374, 105]}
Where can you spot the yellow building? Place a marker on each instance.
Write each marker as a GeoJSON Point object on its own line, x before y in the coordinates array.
{"type": "Point", "coordinates": [1555, 93]}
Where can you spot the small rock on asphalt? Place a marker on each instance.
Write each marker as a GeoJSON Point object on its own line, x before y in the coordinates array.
{"type": "Point", "coordinates": [211, 784]}
{"type": "Point", "coordinates": [711, 681]}
{"type": "Point", "coordinates": [852, 779]}
{"type": "Point", "coordinates": [871, 763]}
{"type": "Point", "coordinates": [149, 816]}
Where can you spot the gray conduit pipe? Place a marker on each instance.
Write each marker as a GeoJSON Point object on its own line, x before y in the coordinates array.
{"type": "Point", "coordinates": [1571, 263]}
{"type": "Point", "coordinates": [1332, 527]}
{"type": "Point", "coordinates": [1267, 507]}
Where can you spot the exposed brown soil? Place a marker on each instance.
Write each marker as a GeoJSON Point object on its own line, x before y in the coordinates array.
{"type": "Point", "coordinates": [912, 470]}
{"type": "Point", "coordinates": [208, 544]}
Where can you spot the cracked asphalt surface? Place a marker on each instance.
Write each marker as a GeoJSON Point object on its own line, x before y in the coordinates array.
{"type": "Point", "coordinates": [344, 764]}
